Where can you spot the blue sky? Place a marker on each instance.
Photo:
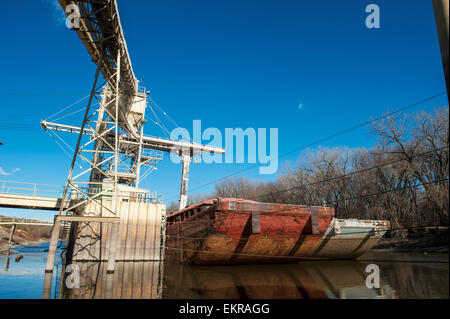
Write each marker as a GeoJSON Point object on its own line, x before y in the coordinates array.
{"type": "Point", "coordinates": [228, 63]}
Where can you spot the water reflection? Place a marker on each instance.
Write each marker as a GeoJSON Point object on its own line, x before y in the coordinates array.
{"type": "Point", "coordinates": [7, 260]}
{"type": "Point", "coordinates": [402, 276]}
{"type": "Point", "coordinates": [24, 278]}
{"type": "Point", "coordinates": [130, 280]}
{"type": "Point", "coordinates": [306, 280]}
{"type": "Point", "coordinates": [309, 279]}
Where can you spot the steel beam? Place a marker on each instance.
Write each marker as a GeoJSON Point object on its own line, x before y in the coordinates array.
{"type": "Point", "coordinates": [185, 160]}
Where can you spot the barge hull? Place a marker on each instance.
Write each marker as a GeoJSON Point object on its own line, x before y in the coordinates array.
{"type": "Point", "coordinates": [235, 231]}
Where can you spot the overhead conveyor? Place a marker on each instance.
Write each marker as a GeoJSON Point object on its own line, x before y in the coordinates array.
{"type": "Point", "coordinates": [111, 138]}
{"type": "Point", "coordinates": [101, 33]}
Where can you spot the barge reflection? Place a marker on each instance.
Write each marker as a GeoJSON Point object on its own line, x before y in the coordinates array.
{"type": "Point", "coordinates": [304, 280]}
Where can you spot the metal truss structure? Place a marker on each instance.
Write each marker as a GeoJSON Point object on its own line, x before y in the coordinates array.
{"type": "Point", "coordinates": [111, 138]}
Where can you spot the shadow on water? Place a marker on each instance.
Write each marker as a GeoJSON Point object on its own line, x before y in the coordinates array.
{"type": "Point", "coordinates": [401, 276]}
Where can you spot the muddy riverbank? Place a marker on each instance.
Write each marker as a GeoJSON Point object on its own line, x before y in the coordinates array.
{"type": "Point", "coordinates": [23, 236]}
{"type": "Point", "coordinates": [430, 240]}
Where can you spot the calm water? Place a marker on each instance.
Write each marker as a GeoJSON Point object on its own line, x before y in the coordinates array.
{"type": "Point", "coordinates": [403, 275]}
{"type": "Point", "coordinates": [25, 278]}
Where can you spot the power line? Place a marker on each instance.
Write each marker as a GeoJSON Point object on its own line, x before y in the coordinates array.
{"type": "Point", "coordinates": [347, 175]}
{"type": "Point", "coordinates": [379, 193]}
{"type": "Point", "coordinates": [19, 126]}
{"type": "Point", "coordinates": [393, 190]}
{"type": "Point", "coordinates": [58, 112]}
{"type": "Point", "coordinates": [69, 106]}
{"type": "Point", "coordinates": [36, 94]}
{"type": "Point", "coordinates": [382, 192]}
{"type": "Point", "coordinates": [22, 115]}
{"type": "Point", "coordinates": [348, 199]}
{"type": "Point", "coordinates": [291, 207]}
{"type": "Point", "coordinates": [325, 139]}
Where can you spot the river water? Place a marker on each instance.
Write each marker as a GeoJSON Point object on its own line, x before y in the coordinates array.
{"type": "Point", "coordinates": [402, 275]}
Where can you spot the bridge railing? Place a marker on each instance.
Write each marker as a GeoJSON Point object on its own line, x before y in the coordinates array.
{"type": "Point", "coordinates": [57, 191]}
{"type": "Point", "coordinates": [6, 220]}
{"type": "Point", "coordinates": [31, 189]}
{"type": "Point", "coordinates": [124, 195]}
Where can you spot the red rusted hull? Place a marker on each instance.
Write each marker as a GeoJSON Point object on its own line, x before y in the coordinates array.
{"type": "Point", "coordinates": [236, 231]}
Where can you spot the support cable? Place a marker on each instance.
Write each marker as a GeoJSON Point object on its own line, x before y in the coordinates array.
{"type": "Point", "coordinates": [67, 107]}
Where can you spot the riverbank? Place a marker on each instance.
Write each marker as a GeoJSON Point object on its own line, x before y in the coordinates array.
{"type": "Point", "coordinates": [426, 240]}
{"type": "Point", "coordinates": [23, 236]}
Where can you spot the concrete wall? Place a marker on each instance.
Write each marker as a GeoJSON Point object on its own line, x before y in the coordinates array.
{"type": "Point", "coordinates": [131, 280]}
{"type": "Point", "coordinates": [140, 231]}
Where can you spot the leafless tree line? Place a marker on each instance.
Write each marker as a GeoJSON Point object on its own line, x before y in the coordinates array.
{"type": "Point", "coordinates": [403, 178]}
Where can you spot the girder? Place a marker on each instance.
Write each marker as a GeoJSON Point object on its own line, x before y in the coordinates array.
{"type": "Point", "coordinates": [148, 142]}
{"type": "Point", "coordinates": [115, 146]}
{"type": "Point", "coordinates": [101, 33]}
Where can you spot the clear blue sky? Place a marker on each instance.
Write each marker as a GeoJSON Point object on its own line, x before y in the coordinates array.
{"type": "Point", "coordinates": [228, 63]}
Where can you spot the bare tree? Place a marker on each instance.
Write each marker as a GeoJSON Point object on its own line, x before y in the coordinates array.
{"type": "Point", "coordinates": [403, 178]}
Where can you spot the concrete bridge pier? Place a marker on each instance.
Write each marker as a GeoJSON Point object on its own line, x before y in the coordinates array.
{"type": "Point", "coordinates": [7, 261]}
{"type": "Point", "coordinates": [113, 248]}
{"type": "Point", "coordinates": [13, 228]}
{"type": "Point", "coordinates": [90, 219]}
{"type": "Point", "coordinates": [48, 279]}
{"type": "Point", "coordinates": [53, 245]}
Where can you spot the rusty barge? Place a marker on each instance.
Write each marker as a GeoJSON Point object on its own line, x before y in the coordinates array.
{"type": "Point", "coordinates": [239, 231]}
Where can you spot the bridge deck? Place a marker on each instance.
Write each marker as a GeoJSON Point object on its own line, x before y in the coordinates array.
{"type": "Point", "coordinates": [26, 223]}
{"type": "Point", "coordinates": [30, 202]}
